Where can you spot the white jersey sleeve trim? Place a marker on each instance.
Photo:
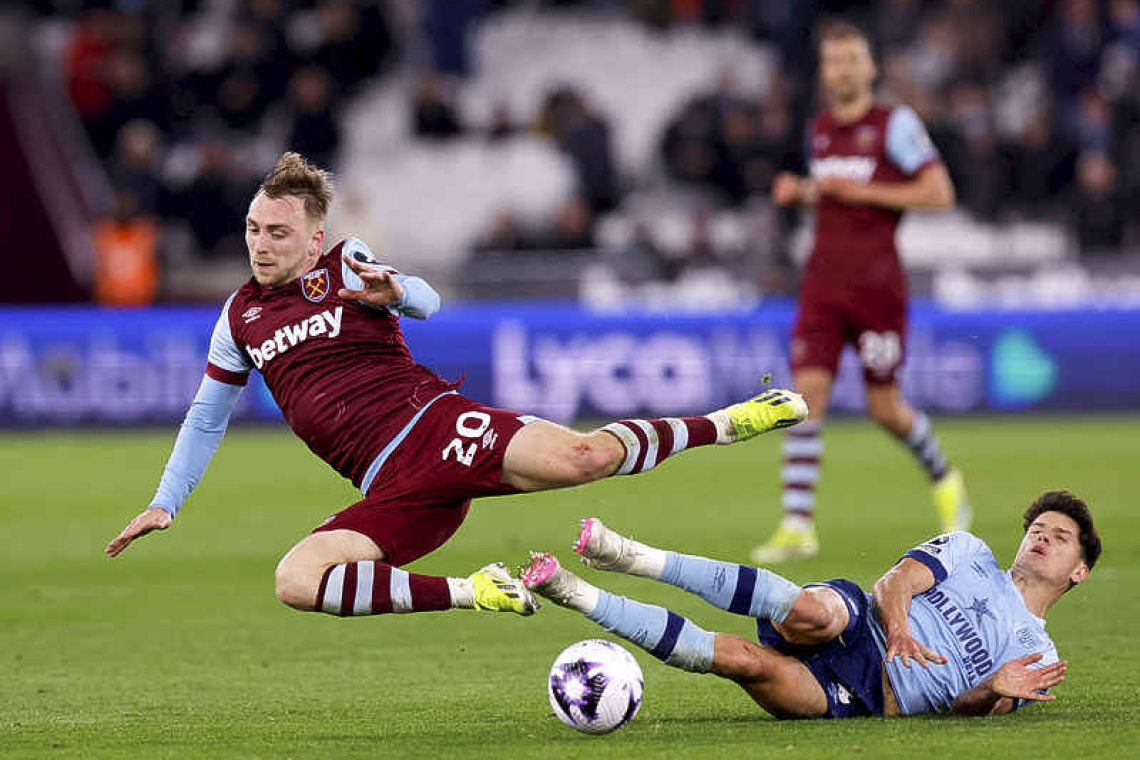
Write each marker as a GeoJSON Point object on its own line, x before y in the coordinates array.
{"type": "Point", "coordinates": [224, 351]}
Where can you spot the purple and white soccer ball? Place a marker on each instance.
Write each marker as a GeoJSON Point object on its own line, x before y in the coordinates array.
{"type": "Point", "coordinates": [595, 686]}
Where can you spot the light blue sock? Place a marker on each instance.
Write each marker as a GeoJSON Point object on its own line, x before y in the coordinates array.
{"type": "Point", "coordinates": [742, 589]}
{"type": "Point", "coordinates": [664, 634]}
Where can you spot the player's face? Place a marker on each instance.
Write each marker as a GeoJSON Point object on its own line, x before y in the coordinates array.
{"type": "Point", "coordinates": [846, 69]}
{"type": "Point", "coordinates": [1051, 550]}
{"type": "Point", "coordinates": [283, 242]}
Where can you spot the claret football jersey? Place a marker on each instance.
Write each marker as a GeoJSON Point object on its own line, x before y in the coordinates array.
{"type": "Point", "coordinates": [853, 242]}
{"type": "Point", "coordinates": [340, 371]}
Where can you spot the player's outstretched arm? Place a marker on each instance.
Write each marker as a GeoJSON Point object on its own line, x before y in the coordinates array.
{"type": "Point", "coordinates": [1017, 679]}
{"type": "Point", "coordinates": [151, 519]}
{"type": "Point", "coordinates": [892, 594]}
{"type": "Point", "coordinates": [198, 439]}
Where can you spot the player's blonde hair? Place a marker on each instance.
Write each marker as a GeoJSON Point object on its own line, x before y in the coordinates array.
{"type": "Point", "coordinates": [293, 175]}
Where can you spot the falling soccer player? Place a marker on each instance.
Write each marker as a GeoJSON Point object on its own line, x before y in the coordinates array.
{"type": "Point", "coordinates": [323, 329]}
{"type": "Point", "coordinates": [945, 630]}
{"type": "Point", "coordinates": [869, 163]}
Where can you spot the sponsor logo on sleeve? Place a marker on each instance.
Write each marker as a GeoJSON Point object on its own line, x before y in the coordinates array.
{"type": "Point", "coordinates": [1027, 638]}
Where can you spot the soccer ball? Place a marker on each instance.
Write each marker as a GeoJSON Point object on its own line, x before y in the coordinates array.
{"type": "Point", "coordinates": [595, 686]}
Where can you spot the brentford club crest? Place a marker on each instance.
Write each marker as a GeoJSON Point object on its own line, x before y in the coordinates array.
{"type": "Point", "coordinates": [315, 285]}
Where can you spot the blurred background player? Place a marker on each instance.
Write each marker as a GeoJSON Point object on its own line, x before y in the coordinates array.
{"type": "Point", "coordinates": [322, 327]}
{"type": "Point", "coordinates": [829, 650]}
{"type": "Point", "coordinates": [868, 164]}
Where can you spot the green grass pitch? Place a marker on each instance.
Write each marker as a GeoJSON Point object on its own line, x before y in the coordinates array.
{"type": "Point", "coordinates": [179, 649]}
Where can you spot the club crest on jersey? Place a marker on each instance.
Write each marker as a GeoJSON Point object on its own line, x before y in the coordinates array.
{"type": "Point", "coordinates": [315, 285]}
{"type": "Point", "coordinates": [252, 313]}
{"type": "Point", "coordinates": [865, 137]}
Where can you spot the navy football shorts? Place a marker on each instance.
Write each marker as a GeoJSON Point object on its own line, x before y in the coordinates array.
{"type": "Point", "coordinates": [850, 666]}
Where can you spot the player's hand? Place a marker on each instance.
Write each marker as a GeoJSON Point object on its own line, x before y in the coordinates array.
{"type": "Point", "coordinates": [151, 519]}
{"type": "Point", "coordinates": [1016, 679]}
{"type": "Point", "coordinates": [907, 648]}
{"type": "Point", "coordinates": [380, 287]}
{"type": "Point", "coordinates": [786, 189]}
{"type": "Point", "coordinates": [842, 189]}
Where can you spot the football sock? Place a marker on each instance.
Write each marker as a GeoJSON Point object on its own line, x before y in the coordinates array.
{"type": "Point", "coordinates": [925, 447]}
{"type": "Point", "coordinates": [803, 451]}
{"type": "Point", "coordinates": [664, 634]}
{"type": "Point", "coordinates": [375, 588]}
{"type": "Point", "coordinates": [742, 589]}
{"type": "Point", "coordinates": [648, 442]}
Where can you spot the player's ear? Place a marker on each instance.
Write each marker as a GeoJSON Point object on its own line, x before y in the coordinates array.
{"type": "Point", "coordinates": [1079, 575]}
{"type": "Point", "coordinates": [317, 242]}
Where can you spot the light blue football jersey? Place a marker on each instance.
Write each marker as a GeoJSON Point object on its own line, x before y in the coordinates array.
{"type": "Point", "coordinates": [973, 615]}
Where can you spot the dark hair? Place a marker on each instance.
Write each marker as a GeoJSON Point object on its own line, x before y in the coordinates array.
{"type": "Point", "coordinates": [293, 175]}
{"type": "Point", "coordinates": [839, 29]}
{"type": "Point", "coordinates": [1069, 505]}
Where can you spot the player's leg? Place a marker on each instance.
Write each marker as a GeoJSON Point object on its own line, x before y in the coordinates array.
{"type": "Point", "coordinates": [889, 409]}
{"type": "Point", "coordinates": [544, 455]}
{"type": "Point", "coordinates": [343, 572]}
{"type": "Point", "coordinates": [778, 683]}
{"type": "Point", "coordinates": [817, 342]}
{"type": "Point", "coordinates": [811, 615]}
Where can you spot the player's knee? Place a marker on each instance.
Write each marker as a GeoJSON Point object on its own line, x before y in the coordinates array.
{"type": "Point", "coordinates": [296, 587]}
{"type": "Point", "coordinates": [818, 615]}
{"type": "Point", "coordinates": [738, 659]}
{"type": "Point", "coordinates": [593, 457]}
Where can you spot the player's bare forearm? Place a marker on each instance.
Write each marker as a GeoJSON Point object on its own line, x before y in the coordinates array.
{"type": "Point", "coordinates": [981, 700]}
{"type": "Point", "coordinates": [931, 189]}
{"type": "Point", "coordinates": [892, 596]}
{"type": "Point", "coordinates": [894, 590]}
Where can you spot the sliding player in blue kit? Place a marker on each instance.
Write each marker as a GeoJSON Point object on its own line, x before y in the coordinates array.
{"type": "Point", "coordinates": [975, 632]}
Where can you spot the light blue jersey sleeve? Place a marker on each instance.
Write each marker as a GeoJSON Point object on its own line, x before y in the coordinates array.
{"type": "Point", "coordinates": [206, 419]}
{"type": "Point", "coordinates": [420, 300]}
{"type": "Point", "coordinates": [908, 144]}
{"type": "Point", "coordinates": [198, 439]}
{"type": "Point", "coordinates": [942, 554]}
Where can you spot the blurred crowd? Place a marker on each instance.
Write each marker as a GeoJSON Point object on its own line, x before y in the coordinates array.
{"type": "Point", "coordinates": [1034, 104]}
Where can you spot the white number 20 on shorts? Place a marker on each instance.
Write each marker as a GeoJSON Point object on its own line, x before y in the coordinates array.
{"type": "Point", "coordinates": [469, 425]}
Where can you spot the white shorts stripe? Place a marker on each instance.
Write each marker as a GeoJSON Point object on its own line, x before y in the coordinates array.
{"type": "Point", "coordinates": [333, 591]}
{"type": "Point", "coordinates": [680, 435]}
{"type": "Point", "coordinates": [651, 449]}
{"type": "Point", "coordinates": [629, 440]}
{"type": "Point", "coordinates": [800, 473]}
{"type": "Point", "coordinates": [401, 591]}
{"type": "Point", "coordinates": [362, 605]}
